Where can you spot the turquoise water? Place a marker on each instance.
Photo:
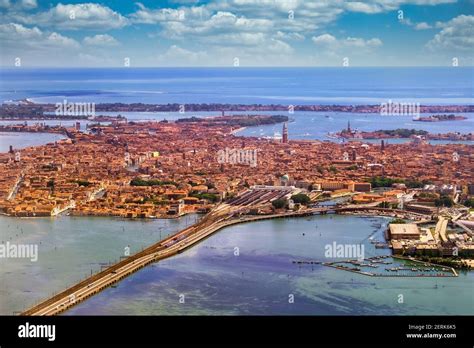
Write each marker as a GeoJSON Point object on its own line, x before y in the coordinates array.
{"type": "Point", "coordinates": [261, 279]}
{"type": "Point", "coordinates": [69, 248]}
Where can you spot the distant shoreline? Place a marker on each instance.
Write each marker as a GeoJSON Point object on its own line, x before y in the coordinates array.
{"type": "Point", "coordinates": [27, 110]}
{"type": "Point", "coordinates": [402, 133]}
{"type": "Point", "coordinates": [235, 131]}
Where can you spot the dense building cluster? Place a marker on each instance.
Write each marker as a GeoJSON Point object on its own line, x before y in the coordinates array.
{"type": "Point", "coordinates": [159, 169]}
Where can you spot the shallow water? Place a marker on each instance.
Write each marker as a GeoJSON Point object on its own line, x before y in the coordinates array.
{"type": "Point", "coordinates": [69, 248]}
{"type": "Point", "coordinates": [262, 278]}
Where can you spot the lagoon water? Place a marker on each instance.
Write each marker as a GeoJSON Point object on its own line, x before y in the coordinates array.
{"type": "Point", "coordinates": [317, 125]}
{"type": "Point", "coordinates": [261, 278]}
{"type": "Point", "coordinates": [69, 248]}
{"type": "Point", "coordinates": [22, 140]}
{"type": "Point", "coordinates": [212, 278]}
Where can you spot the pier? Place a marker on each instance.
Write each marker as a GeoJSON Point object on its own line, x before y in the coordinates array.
{"type": "Point", "coordinates": [418, 269]}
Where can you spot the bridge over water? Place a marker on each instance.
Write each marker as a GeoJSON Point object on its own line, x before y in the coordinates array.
{"type": "Point", "coordinates": [222, 216]}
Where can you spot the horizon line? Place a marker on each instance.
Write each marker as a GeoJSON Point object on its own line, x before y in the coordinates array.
{"type": "Point", "coordinates": [234, 67]}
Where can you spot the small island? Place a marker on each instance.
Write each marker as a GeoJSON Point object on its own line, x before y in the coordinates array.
{"type": "Point", "coordinates": [439, 118]}
{"type": "Point", "coordinates": [28, 110]}
{"type": "Point", "coordinates": [236, 120]}
{"type": "Point", "coordinates": [403, 133]}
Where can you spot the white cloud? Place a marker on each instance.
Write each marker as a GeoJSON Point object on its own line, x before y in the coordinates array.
{"type": "Point", "coordinates": [148, 16]}
{"type": "Point", "coordinates": [262, 15]}
{"type": "Point", "coordinates": [28, 4]}
{"type": "Point", "coordinates": [221, 22]}
{"type": "Point", "coordinates": [14, 31]}
{"type": "Point", "coordinates": [324, 39]}
{"type": "Point", "coordinates": [176, 56]}
{"type": "Point", "coordinates": [252, 23]}
{"type": "Point", "coordinates": [58, 40]}
{"type": "Point", "coordinates": [417, 26]}
{"type": "Point", "coordinates": [240, 39]}
{"type": "Point", "coordinates": [333, 43]}
{"type": "Point", "coordinates": [378, 6]}
{"type": "Point", "coordinates": [182, 2]}
{"type": "Point", "coordinates": [98, 60]}
{"type": "Point", "coordinates": [5, 3]}
{"type": "Point", "coordinates": [273, 53]}
{"type": "Point", "coordinates": [101, 40]}
{"type": "Point", "coordinates": [257, 31]}
{"type": "Point", "coordinates": [357, 6]}
{"type": "Point", "coordinates": [19, 4]}
{"type": "Point", "coordinates": [456, 35]}
{"type": "Point", "coordinates": [218, 19]}
{"type": "Point", "coordinates": [289, 36]}
{"type": "Point", "coordinates": [78, 16]}
{"type": "Point", "coordinates": [330, 49]}
{"type": "Point", "coordinates": [277, 46]}
{"type": "Point", "coordinates": [19, 35]}
{"type": "Point", "coordinates": [423, 26]}
{"type": "Point", "coordinates": [222, 32]}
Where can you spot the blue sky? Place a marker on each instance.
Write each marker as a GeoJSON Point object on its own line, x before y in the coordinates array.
{"type": "Point", "coordinates": [230, 32]}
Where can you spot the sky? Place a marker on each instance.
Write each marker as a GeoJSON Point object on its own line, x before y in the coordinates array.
{"type": "Point", "coordinates": [231, 33]}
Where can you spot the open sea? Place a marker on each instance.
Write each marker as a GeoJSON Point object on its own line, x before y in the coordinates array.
{"type": "Point", "coordinates": [438, 85]}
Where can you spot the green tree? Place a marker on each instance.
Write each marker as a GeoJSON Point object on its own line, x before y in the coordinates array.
{"type": "Point", "coordinates": [279, 203]}
{"type": "Point", "coordinates": [469, 202]}
{"type": "Point", "coordinates": [444, 201]}
{"type": "Point", "coordinates": [208, 196]}
{"type": "Point", "coordinates": [378, 181]}
{"type": "Point", "coordinates": [83, 183]}
{"type": "Point", "coordinates": [301, 198]}
{"type": "Point", "coordinates": [141, 182]}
